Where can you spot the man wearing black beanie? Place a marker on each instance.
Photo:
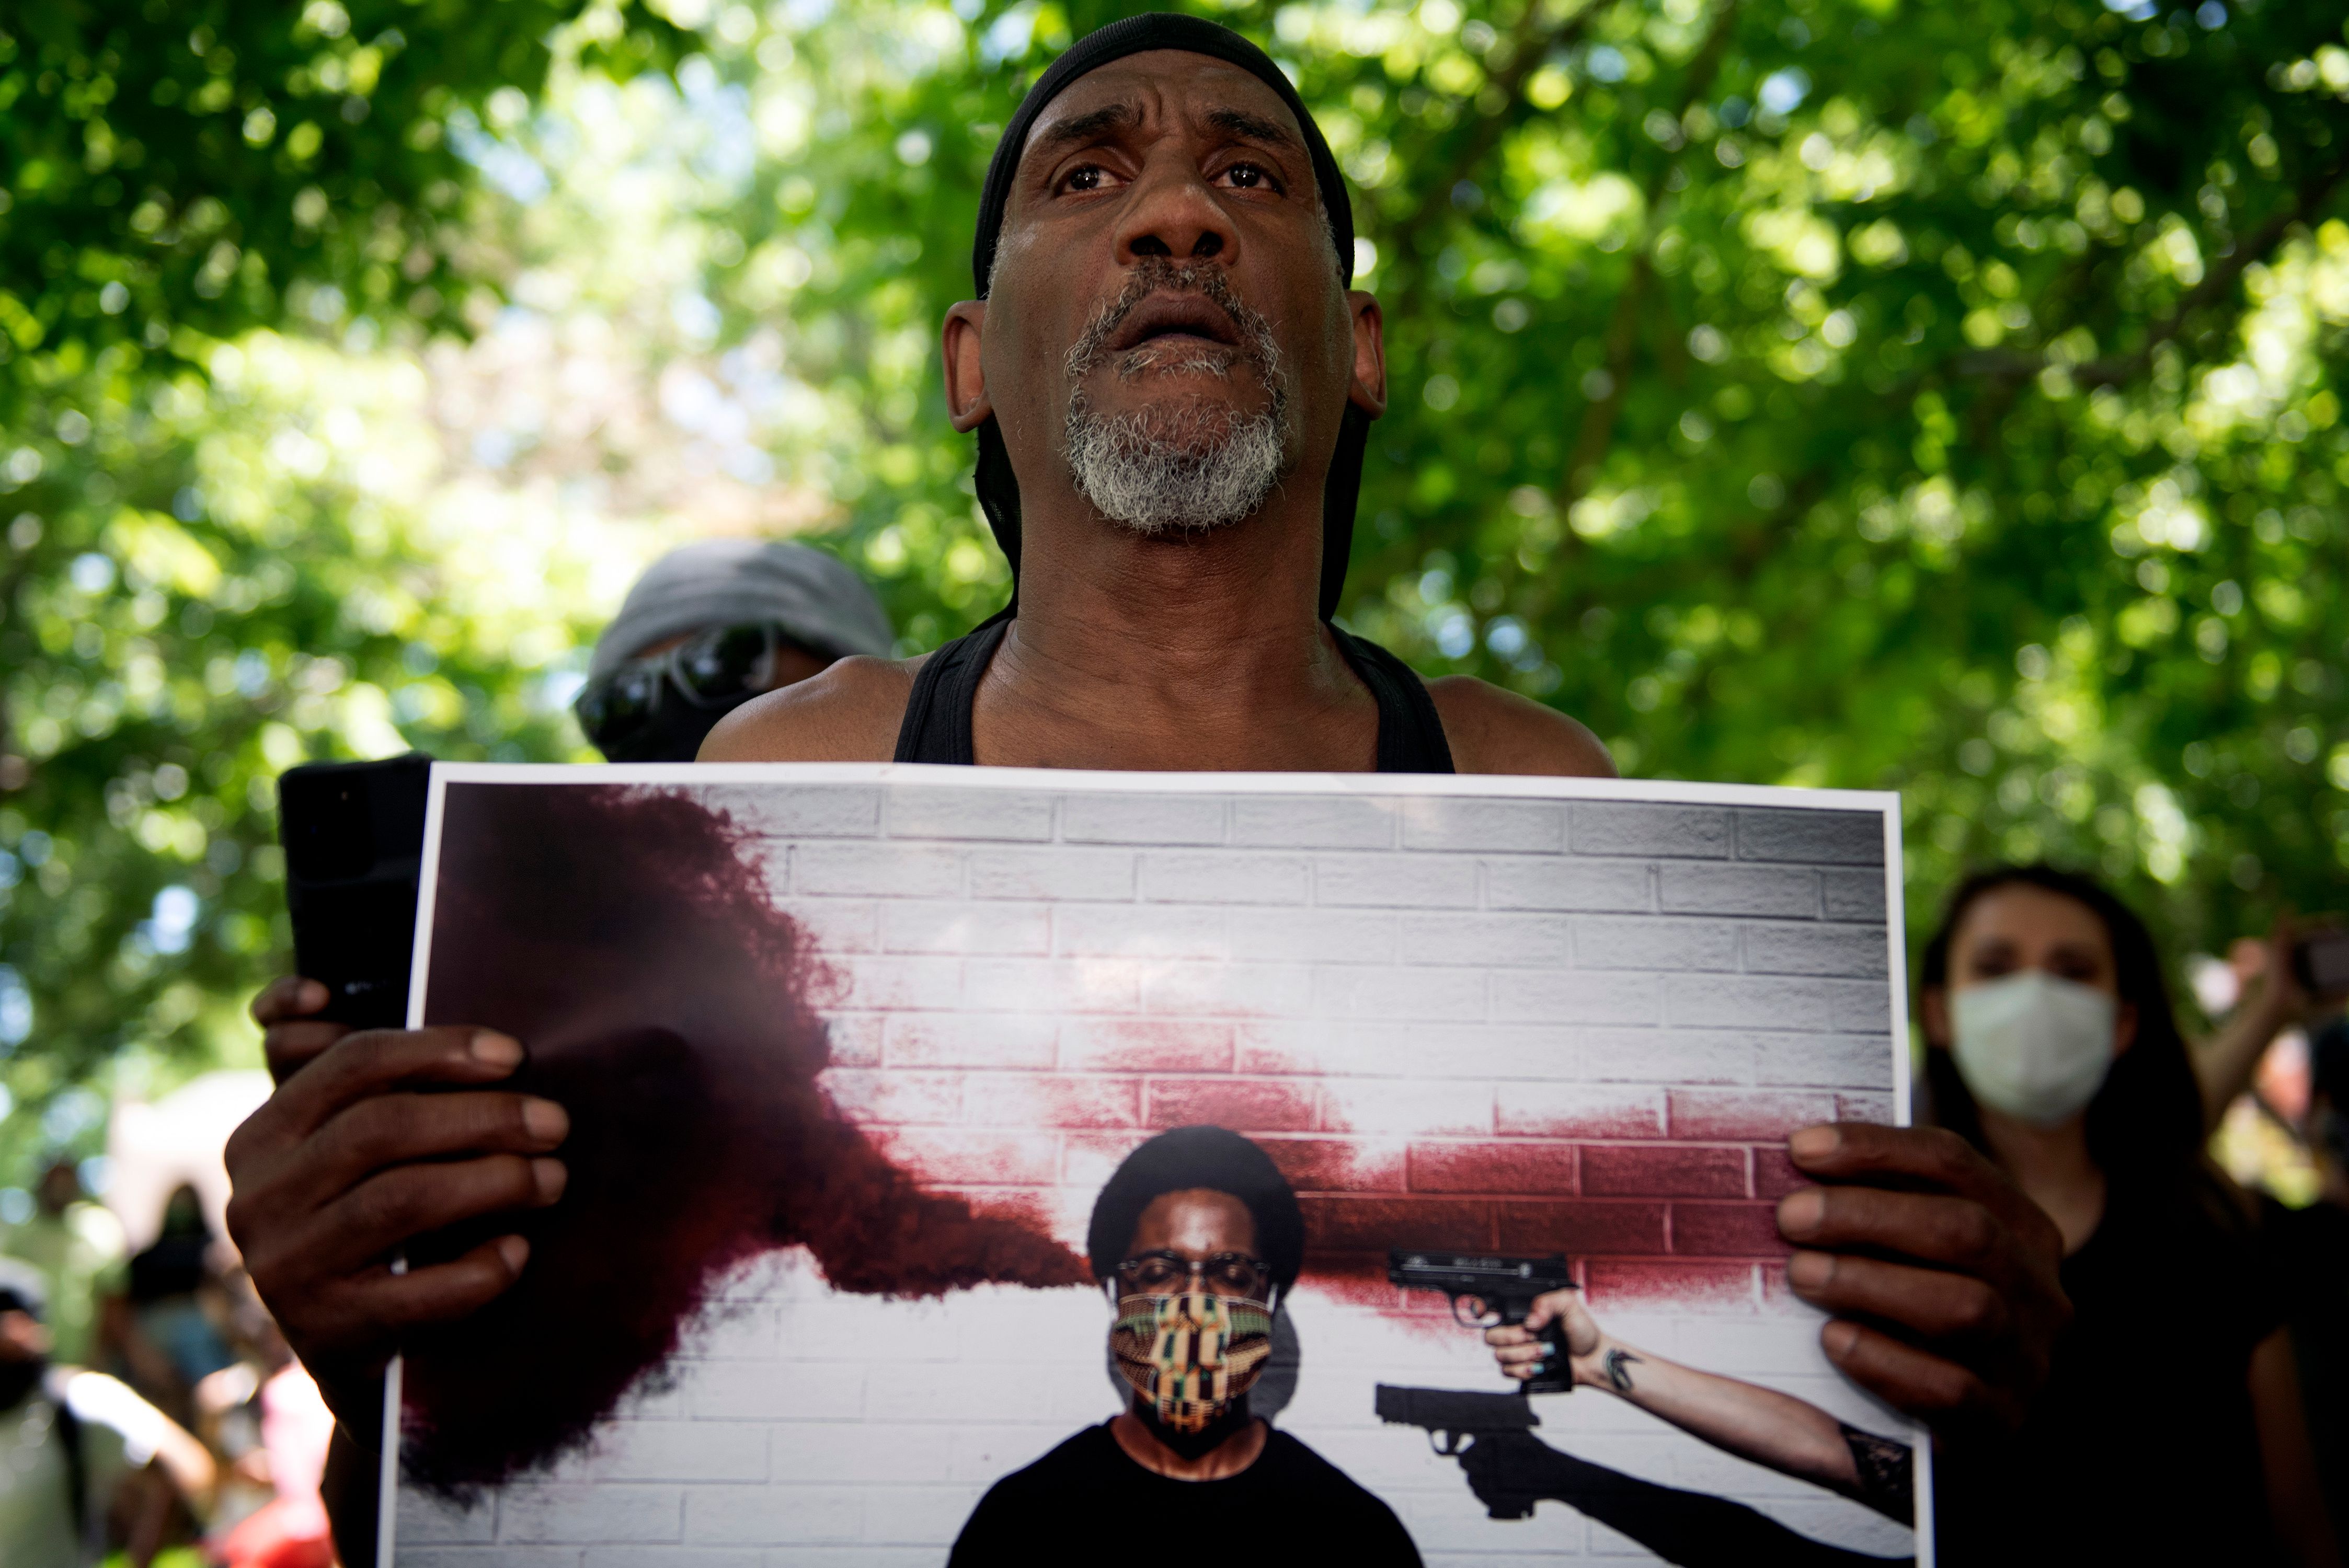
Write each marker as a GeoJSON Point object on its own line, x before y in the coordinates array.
{"type": "Point", "coordinates": [1170, 382]}
{"type": "Point", "coordinates": [1196, 1239]}
{"type": "Point", "coordinates": [1170, 386]}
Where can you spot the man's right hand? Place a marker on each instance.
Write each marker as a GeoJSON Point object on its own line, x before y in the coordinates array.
{"type": "Point", "coordinates": [373, 1139]}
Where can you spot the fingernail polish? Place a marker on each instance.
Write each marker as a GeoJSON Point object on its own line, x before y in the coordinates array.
{"type": "Point", "coordinates": [545, 1120]}
{"type": "Point", "coordinates": [497, 1050]}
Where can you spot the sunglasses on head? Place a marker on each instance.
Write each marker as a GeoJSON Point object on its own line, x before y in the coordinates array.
{"type": "Point", "coordinates": [711, 671]}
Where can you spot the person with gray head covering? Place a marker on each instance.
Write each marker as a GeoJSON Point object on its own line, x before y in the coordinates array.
{"type": "Point", "coordinates": [711, 625]}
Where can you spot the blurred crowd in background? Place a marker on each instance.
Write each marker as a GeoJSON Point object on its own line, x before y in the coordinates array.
{"type": "Point", "coordinates": [149, 1408]}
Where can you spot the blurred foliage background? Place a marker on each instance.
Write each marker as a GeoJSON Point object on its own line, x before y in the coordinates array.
{"type": "Point", "coordinates": [1824, 392]}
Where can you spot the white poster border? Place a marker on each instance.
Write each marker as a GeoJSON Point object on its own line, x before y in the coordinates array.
{"type": "Point", "coordinates": [1497, 786]}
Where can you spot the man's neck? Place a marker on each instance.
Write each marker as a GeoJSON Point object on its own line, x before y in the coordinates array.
{"type": "Point", "coordinates": [1142, 1444]}
{"type": "Point", "coordinates": [1190, 650]}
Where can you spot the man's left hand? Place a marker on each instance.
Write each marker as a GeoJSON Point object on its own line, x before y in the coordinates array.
{"type": "Point", "coordinates": [1940, 1273]}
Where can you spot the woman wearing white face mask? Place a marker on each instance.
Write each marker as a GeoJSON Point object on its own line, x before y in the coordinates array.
{"type": "Point", "coordinates": [2171, 1429]}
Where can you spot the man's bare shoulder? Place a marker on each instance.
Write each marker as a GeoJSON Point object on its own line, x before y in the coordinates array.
{"type": "Point", "coordinates": [849, 713]}
{"type": "Point", "coordinates": [1495, 731]}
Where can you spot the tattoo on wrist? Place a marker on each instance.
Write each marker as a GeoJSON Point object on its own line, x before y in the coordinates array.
{"type": "Point", "coordinates": [1616, 1364]}
{"type": "Point", "coordinates": [1885, 1473]}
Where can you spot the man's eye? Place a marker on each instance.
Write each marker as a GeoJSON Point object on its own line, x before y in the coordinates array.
{"type": "Point", "coordinates": [1088, 177]}
{"type": "Point", "coordinates": [1250, 177]}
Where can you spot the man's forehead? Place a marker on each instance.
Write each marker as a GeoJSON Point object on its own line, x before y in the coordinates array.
{"type": "Point", "coordinates": [1174, 84]}
{"type": "Point", "coordinates": [1196, 1210]}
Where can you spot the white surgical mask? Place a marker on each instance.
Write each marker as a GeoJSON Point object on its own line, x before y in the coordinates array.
{"type": "Point", "coordinates": [2033, 1046]}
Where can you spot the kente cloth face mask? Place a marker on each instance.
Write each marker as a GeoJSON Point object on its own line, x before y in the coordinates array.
{"type": "Point", "coordinates": [2033, 1046]}
{"type": "Point", "coordinates": [1191, 1355]}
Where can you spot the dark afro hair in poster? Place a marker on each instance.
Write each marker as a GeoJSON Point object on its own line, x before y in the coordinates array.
{"type": "Point", "coordinates": [626, 937]}
{"type": "Point", "coordinates": [1195, 1159]}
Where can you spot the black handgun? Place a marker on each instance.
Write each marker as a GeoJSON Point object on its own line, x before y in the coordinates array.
{"type": "Point", "coordinates": [1504, 1288]}
{"type": "Point", "coordinates": [1448, 1417]}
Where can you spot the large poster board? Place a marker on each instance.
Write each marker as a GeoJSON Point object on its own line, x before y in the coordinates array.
{"type": "Point", "coordinates": [851, 1050]}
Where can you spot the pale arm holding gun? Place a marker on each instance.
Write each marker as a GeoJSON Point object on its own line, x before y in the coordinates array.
{"type": "Point", "coordinates": [1770, 1428]}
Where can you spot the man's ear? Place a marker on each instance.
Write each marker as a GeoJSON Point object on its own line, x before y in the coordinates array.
{"type": "Point", "coordinates": [1368, 391]}
{"type": "Point", "coordinates": [966, 401]}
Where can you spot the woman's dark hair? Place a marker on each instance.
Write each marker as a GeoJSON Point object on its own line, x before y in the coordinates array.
{"type": "Point", "coordinates": [2146, 1122]}
{"type": "Point", "coordinates": [178, 1260]}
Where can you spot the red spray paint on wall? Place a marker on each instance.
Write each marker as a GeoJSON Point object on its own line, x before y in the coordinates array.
{"type": "Point", "coordinates": [627, 941]}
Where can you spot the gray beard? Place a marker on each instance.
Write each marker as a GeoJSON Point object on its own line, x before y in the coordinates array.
{"type": "Point", "coordinates": [1192, 466]}
{"type": "Point", "coordinates": [1170, 470]}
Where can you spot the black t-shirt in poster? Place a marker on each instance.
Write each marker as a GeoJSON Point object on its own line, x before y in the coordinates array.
{"type": "Point", "coordinates": [2309, 1254]}
{"type": "Point", "coordinates": [1086, 1503]}
{"type": "Point", "coordinates": [2142, 1448]}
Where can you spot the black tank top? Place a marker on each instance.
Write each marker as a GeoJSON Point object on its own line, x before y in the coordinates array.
{"type": "Point", "coordinates": [936, 726]}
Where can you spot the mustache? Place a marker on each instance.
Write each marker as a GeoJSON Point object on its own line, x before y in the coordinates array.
{"type": "Point", "coordinates": [1162, 274]}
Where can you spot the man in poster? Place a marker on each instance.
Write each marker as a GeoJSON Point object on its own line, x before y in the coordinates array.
{"type": "Point", "coordinates": [1196, 1238]}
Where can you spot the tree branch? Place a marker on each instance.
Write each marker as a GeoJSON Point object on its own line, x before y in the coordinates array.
{"type": "Point", "coordinates": [1596, 431]}
{"type": "Point", "coordinates": [15, 768]}
{"type": "Point", "coordinates": [1530, 48]}
{"type": "Point", "coordinates": [2216, 285]}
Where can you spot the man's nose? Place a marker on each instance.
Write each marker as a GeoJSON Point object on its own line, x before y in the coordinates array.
{"type": "Point", "coordinates": [1172, 212]}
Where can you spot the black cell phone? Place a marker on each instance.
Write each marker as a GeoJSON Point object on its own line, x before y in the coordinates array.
{"type": "Point", "coordinates": [354, 837]}
{"type": "Point", "coordinates": [2321, 959]}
